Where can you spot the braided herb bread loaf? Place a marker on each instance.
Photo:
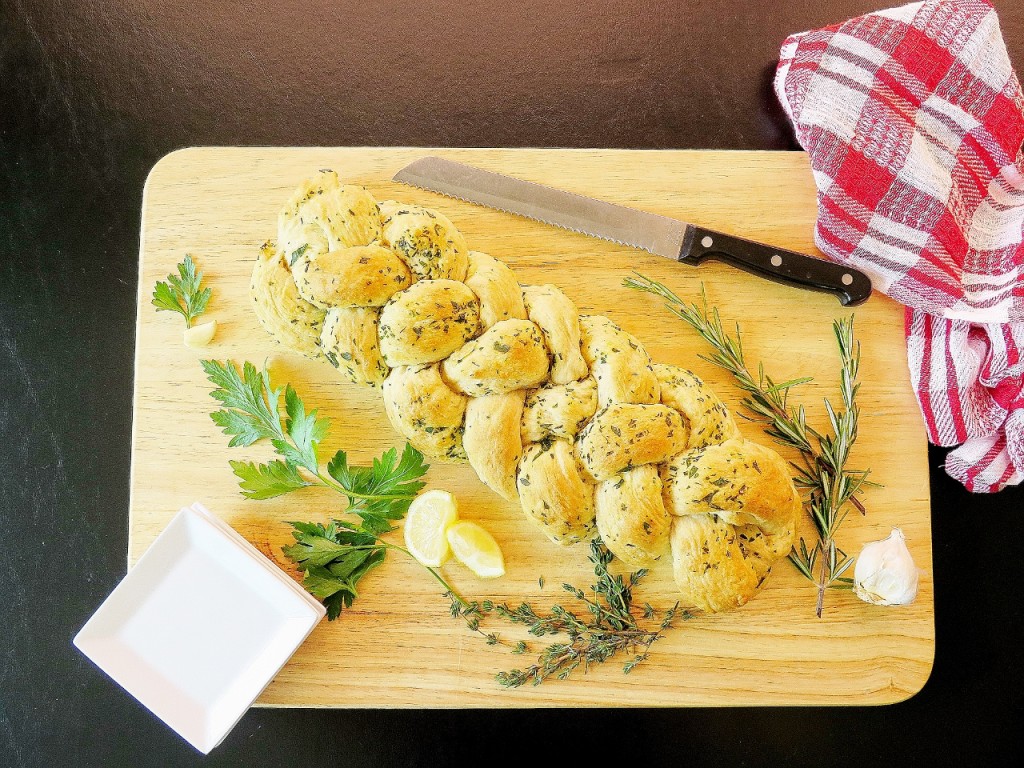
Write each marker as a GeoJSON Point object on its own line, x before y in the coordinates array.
{"type": "Point", "coordinates": [565, 414]}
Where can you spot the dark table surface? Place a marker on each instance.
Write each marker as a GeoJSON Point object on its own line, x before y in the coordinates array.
{"type": "Point", "coordinates": [92, 94]}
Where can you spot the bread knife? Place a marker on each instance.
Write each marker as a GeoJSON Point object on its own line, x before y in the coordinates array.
{"type": "Point", "coordinates": [661, 235]}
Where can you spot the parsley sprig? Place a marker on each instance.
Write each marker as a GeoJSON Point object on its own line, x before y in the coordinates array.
{"type": "Point", "coordinates": [829, 484]}
{"type": "Point", "coordinates": [183, 292]}
{"type": "Point", "coordinates": [334, 557]}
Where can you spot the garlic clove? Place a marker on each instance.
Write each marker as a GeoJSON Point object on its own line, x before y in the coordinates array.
{"type": "Point", "coordinates": [885, 573]}
{"type": "Point", "coordinates": [200, 335]}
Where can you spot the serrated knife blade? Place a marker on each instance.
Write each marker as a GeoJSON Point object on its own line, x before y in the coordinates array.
{"type": "Point", "coordinates": [651, 232]}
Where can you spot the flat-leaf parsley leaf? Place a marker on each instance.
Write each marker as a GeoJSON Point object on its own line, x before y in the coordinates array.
{"type": "Point", "coordinates": [333, 558]}
{"type": "Point", "coordinates": [183, 292]}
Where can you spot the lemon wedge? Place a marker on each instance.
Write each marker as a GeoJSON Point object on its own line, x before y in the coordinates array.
{"type": "Point", "coordinates": [475, 548]}
{"type": "Point", "coordinates": [429, 516]}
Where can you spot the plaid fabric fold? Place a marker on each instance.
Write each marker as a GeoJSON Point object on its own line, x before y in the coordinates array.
{"type": "Point", "coordinates": [913, 120]}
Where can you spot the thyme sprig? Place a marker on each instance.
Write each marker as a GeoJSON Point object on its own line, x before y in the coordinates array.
{"type": "Point", "coordinates": [822, 472]}
{"type": "Point", "coordinates": [610, 628]}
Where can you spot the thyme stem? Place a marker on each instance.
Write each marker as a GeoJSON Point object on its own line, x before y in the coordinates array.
{"type": "Point", "coordinates": [610, 629]}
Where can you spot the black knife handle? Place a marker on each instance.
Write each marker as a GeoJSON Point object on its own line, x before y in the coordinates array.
{"type": "Point", "coordinates": [851, 286]}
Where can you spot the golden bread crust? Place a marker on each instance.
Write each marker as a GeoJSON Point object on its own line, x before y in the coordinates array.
{"type": "Point", "coordinates": [349, 342]}
{"type": "Point", "coordinates": [428, 322]}
{"type": "Point", "coordinates": [631, 516]}
{"type": "Point", "coordinates": [425, 411]}
{"type": "Point", "coordinates": [741, 482]}
{"type": "Point", "coordinates": [559, 321]}
{"type": "Point", "coordinates": [709, 421]}
{"type": "Point", "coordinates": [492, 440]}
{"type": "Point", "coordinates": [559, 410]}
{"type": "Point", "coordinates": [507, 356]}
{"type": "Point", "coordinates": [553, 493]}
{"type": "Point", "coordinates": [325, 215]}
{"type": "Point", "coordinates": [709, 566]}
{"type": "Point", "coordinates": [625, 435]}
{"type": "Point", "coordinates": [617, 360]}
{"type": "Point", "coordinates": [496, 287]}
{"type": "Point", "coordinates": [736, 511]}
{"type": "Point", "coordinates": [425, 240]}
{"type": "Point", "coordinates": [291, 320]}
{"type": "Point", "coordinates": [361, 276]}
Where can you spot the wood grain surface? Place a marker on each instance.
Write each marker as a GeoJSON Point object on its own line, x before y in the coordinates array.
{"type": "Point", "coordinates": [397, 646]}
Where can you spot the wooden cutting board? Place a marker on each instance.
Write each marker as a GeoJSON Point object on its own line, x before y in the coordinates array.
{"type": "Point", "coordinates": [398, 647]}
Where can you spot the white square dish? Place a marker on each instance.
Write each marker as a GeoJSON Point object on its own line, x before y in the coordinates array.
{"type": "Point", "coordinates": [199, 627]}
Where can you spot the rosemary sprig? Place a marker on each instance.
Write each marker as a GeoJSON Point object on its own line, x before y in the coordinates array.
{"type": "Point", "coordinates": [611, 627]}
{"type": "Point", "coordinates": [334, 557]}
{"type": "Point", "coordinates": [830, 485]}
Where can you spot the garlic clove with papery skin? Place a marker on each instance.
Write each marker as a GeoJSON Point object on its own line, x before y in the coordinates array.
{"type": "Point", "coordinates": [885, 573]}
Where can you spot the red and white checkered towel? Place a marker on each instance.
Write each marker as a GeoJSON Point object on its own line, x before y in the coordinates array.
{"type": "Point", "coordinates": [913, 120]}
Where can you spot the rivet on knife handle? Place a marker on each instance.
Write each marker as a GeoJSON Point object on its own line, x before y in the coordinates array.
{"type": "Point", "coordinates": [851, 286]}
{"type": "Point", "coordinates": [652, 232]}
